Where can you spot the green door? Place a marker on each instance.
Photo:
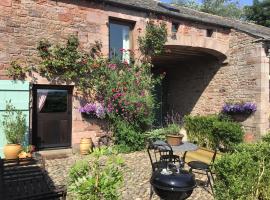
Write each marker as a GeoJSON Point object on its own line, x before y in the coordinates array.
{"type": "Point", "coordinates": [18, 93]}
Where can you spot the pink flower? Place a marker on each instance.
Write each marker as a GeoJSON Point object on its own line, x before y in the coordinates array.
{"type": "Point", "coordinates": [112, 66]}
{"type": "Point", "coordinates": [122, 50]}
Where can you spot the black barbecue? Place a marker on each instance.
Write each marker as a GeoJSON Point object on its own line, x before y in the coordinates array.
{"type": "Point", "coordinates": [175, 186]}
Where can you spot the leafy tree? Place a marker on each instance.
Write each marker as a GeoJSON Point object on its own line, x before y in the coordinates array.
{"type": "Point", "coordinates": [188, 3]}
{"type": "Point", "coordinates": [225, 8]}
{"type": "Point", "coordinates": [259, 12]}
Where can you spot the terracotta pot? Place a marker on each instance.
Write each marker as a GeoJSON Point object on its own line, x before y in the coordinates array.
{"type": "Point", "coordinates": [175, 140]}
{"type": "Point", "coordinates": [86, 146]}
{"type": "Point", "coordinates": [11, 151]}
{"type": "Point", "coordinates": [249, 138]}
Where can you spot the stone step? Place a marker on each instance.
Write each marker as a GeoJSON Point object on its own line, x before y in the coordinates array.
{"type": "Point", "coordinates": [50, 154]}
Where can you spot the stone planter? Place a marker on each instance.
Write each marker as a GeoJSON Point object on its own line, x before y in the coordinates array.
{"type": "Point", "coordinates": [174, 140]}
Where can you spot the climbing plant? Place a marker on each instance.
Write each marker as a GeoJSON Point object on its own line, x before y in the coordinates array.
{"type": "Point", "coordinates": [123, 88]}
{"type": "Point", "coordinates": [152, 42]}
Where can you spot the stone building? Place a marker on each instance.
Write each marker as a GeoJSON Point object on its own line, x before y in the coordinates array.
{"type": "Point", "coordinates": [208, 60]}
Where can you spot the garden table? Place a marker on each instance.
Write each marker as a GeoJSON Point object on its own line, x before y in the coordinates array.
{"type": "Point", "coordinates": [185, 146]}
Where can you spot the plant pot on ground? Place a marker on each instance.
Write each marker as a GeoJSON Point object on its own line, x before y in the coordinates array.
{"type": "Point", "coordinates": [173, 135]}
{"type": "Point", "coordinates": [14, 127]}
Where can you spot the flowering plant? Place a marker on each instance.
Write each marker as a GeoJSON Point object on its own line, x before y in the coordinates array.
{"type": "Point", "coordinates": [239, 108]}
{"type": "Point", "coordinates": [94, 110]}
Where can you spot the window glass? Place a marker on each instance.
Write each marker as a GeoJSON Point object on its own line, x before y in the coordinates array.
{"type": "Point", "coordinates": [49, 101]}
{"type": "Point", "coordinates": [119, 39]}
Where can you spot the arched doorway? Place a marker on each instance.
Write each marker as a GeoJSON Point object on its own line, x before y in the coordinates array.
{"type": "Point", "coordinates": [189, 83]}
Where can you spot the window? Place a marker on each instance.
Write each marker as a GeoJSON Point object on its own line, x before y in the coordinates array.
{"type": "Point", "coordinates": [119, 40]}
{"type": "Point", "coordinates": [175, 27]}
{"type": "Point", "coordinates": [50, 101]}
{"type": "Point", "coordinates": [209, 32]}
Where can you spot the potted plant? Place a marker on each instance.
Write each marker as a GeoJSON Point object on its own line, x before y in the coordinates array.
{"type": "Point", "coordinates": [173, 135]}
{"type": "Point", "coordinates": [239, 111]}
{"type": "Point", "coordinates": [27, 151]}
{"type": "Point", "coordinates": [14, 127]}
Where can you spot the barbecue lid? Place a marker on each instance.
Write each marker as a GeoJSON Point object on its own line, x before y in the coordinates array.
{"type": "Point", "coordinates": [182, 181]}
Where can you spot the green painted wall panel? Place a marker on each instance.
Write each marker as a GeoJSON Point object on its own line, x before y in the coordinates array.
{"type": "Point", "coordinates": [18, 93]}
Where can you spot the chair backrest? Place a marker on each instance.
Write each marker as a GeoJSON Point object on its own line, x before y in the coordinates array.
{"type": "Point", "coordinates": [157, 150]}
{"type": "Point", "coordinates": [202, 154]}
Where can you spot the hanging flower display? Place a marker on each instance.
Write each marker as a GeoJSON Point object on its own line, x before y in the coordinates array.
{"type": "Point", "coordinates": [239, 108]}
{"type": "Point", "coordinates": [94, 110]}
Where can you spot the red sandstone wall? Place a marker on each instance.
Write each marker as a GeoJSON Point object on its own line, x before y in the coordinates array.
{"type": "Point", "coordinates": [23, 23]}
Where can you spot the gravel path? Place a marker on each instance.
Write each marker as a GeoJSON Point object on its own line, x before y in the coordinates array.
{"type": "Point", "coordinates": [136, 176]}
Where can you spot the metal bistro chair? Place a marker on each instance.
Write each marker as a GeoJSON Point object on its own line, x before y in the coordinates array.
{"type": "Point", "coordinates": [205, 167]}
{"type": "Point", "coordinates": [161, 156]}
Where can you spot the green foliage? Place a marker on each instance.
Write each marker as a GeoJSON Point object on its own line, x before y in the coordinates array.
{"type": "Point", "coordinates": [152, 43]}
{"type": "Point", "coordinates": [225, 8]}
{"type": "Point", "coordinates": [66, 63]}
{"type": "Point", "coordinates": [14, 124]}
{"type": "Point", "coordinates": [16, 71]}
{"type": "Point", "coordinates": [259, 12]}
{"type": "Point", "coordinates": [123, 88]}
{"type": "Point", "coordinates": [266, 138]}
{"type": "Point", "coordinates": [98, 178]}
{"type": "Point", "coordinates": [187, 3]}
{"type": "Point", "coordinates": [161, 133]}
{"type": "Point", "coordinates": [156, 134]}
{"type": "Point", "coordinates": [213, 131]}
{"type": "Point", "coordinates": [244, 174]}
{"type": "Point", "coordinates": [227, 134]}
{"type": "Point", "coordinates": [128, 137]}
{"type": "Point", "coordinates": [172, 129]}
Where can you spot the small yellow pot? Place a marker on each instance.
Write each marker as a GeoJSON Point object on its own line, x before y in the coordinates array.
{"type": "Point", "coordinates": [86, 146]}
{"type": "Point", "coordinates": [11, 151]}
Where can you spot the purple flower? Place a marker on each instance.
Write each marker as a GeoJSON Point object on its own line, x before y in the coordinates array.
{"type": "Point", "coordinates": [244, 108]}
{"type": "Point", "coordinates": [100, 112]}
{"type": "Point", "coordinates": [93, 109]}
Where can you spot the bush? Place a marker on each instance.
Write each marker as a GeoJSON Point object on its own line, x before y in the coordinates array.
{"type": "Point", "coordinates": [213, 130]}
{"type": "Point", "coordinates": [101, 180]}
{"type": "Point", "coordinates": [128, 137]}
{"type": "Point", "coordinates": [266, 138]}
{"type": "Point", "coordinates": [227, 134]}
{"type": "Point", "coordinates": [244, 174]}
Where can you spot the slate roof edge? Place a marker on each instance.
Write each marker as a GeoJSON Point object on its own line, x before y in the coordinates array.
{"type": "Point", "coordinates": [246, 27]}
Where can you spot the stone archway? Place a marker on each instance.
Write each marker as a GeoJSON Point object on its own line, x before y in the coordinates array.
{"type": "Point", "coordinates": [190, 85]}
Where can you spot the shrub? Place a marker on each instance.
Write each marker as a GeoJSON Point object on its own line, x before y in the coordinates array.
{"type": "Point", "coordinates": [101, 180]}
{"type": "Point", "coordinates": [266, 138]}
{"type": "Point", "coordinates": [227, 134]}
{"type": "Point", "coordinates": [244, 174]}
{"type": "Point", "coordinates": [129, 137]}
{"type": "Point", "coordinates": [213, 130]}
{"type": "Point", "coordinates": [14, 124]}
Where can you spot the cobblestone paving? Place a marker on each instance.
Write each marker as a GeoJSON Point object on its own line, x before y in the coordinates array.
{"type": "Point", "coordinates": [136, 177]}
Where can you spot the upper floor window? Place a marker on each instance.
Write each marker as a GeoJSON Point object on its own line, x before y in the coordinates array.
{"type": "Point", "coordinates": [175, 27]}
{"type": "Point", "coordinates": [209, 32]}
{"type": "Point", "coordinates": [120, 40]}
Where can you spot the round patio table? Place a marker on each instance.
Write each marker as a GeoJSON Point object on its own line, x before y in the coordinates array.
{"type": "Point", "coordinates": [185, 146]}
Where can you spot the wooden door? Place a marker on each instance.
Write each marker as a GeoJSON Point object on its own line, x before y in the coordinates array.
{"type": "Point", "coordinates": [52, 118]}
